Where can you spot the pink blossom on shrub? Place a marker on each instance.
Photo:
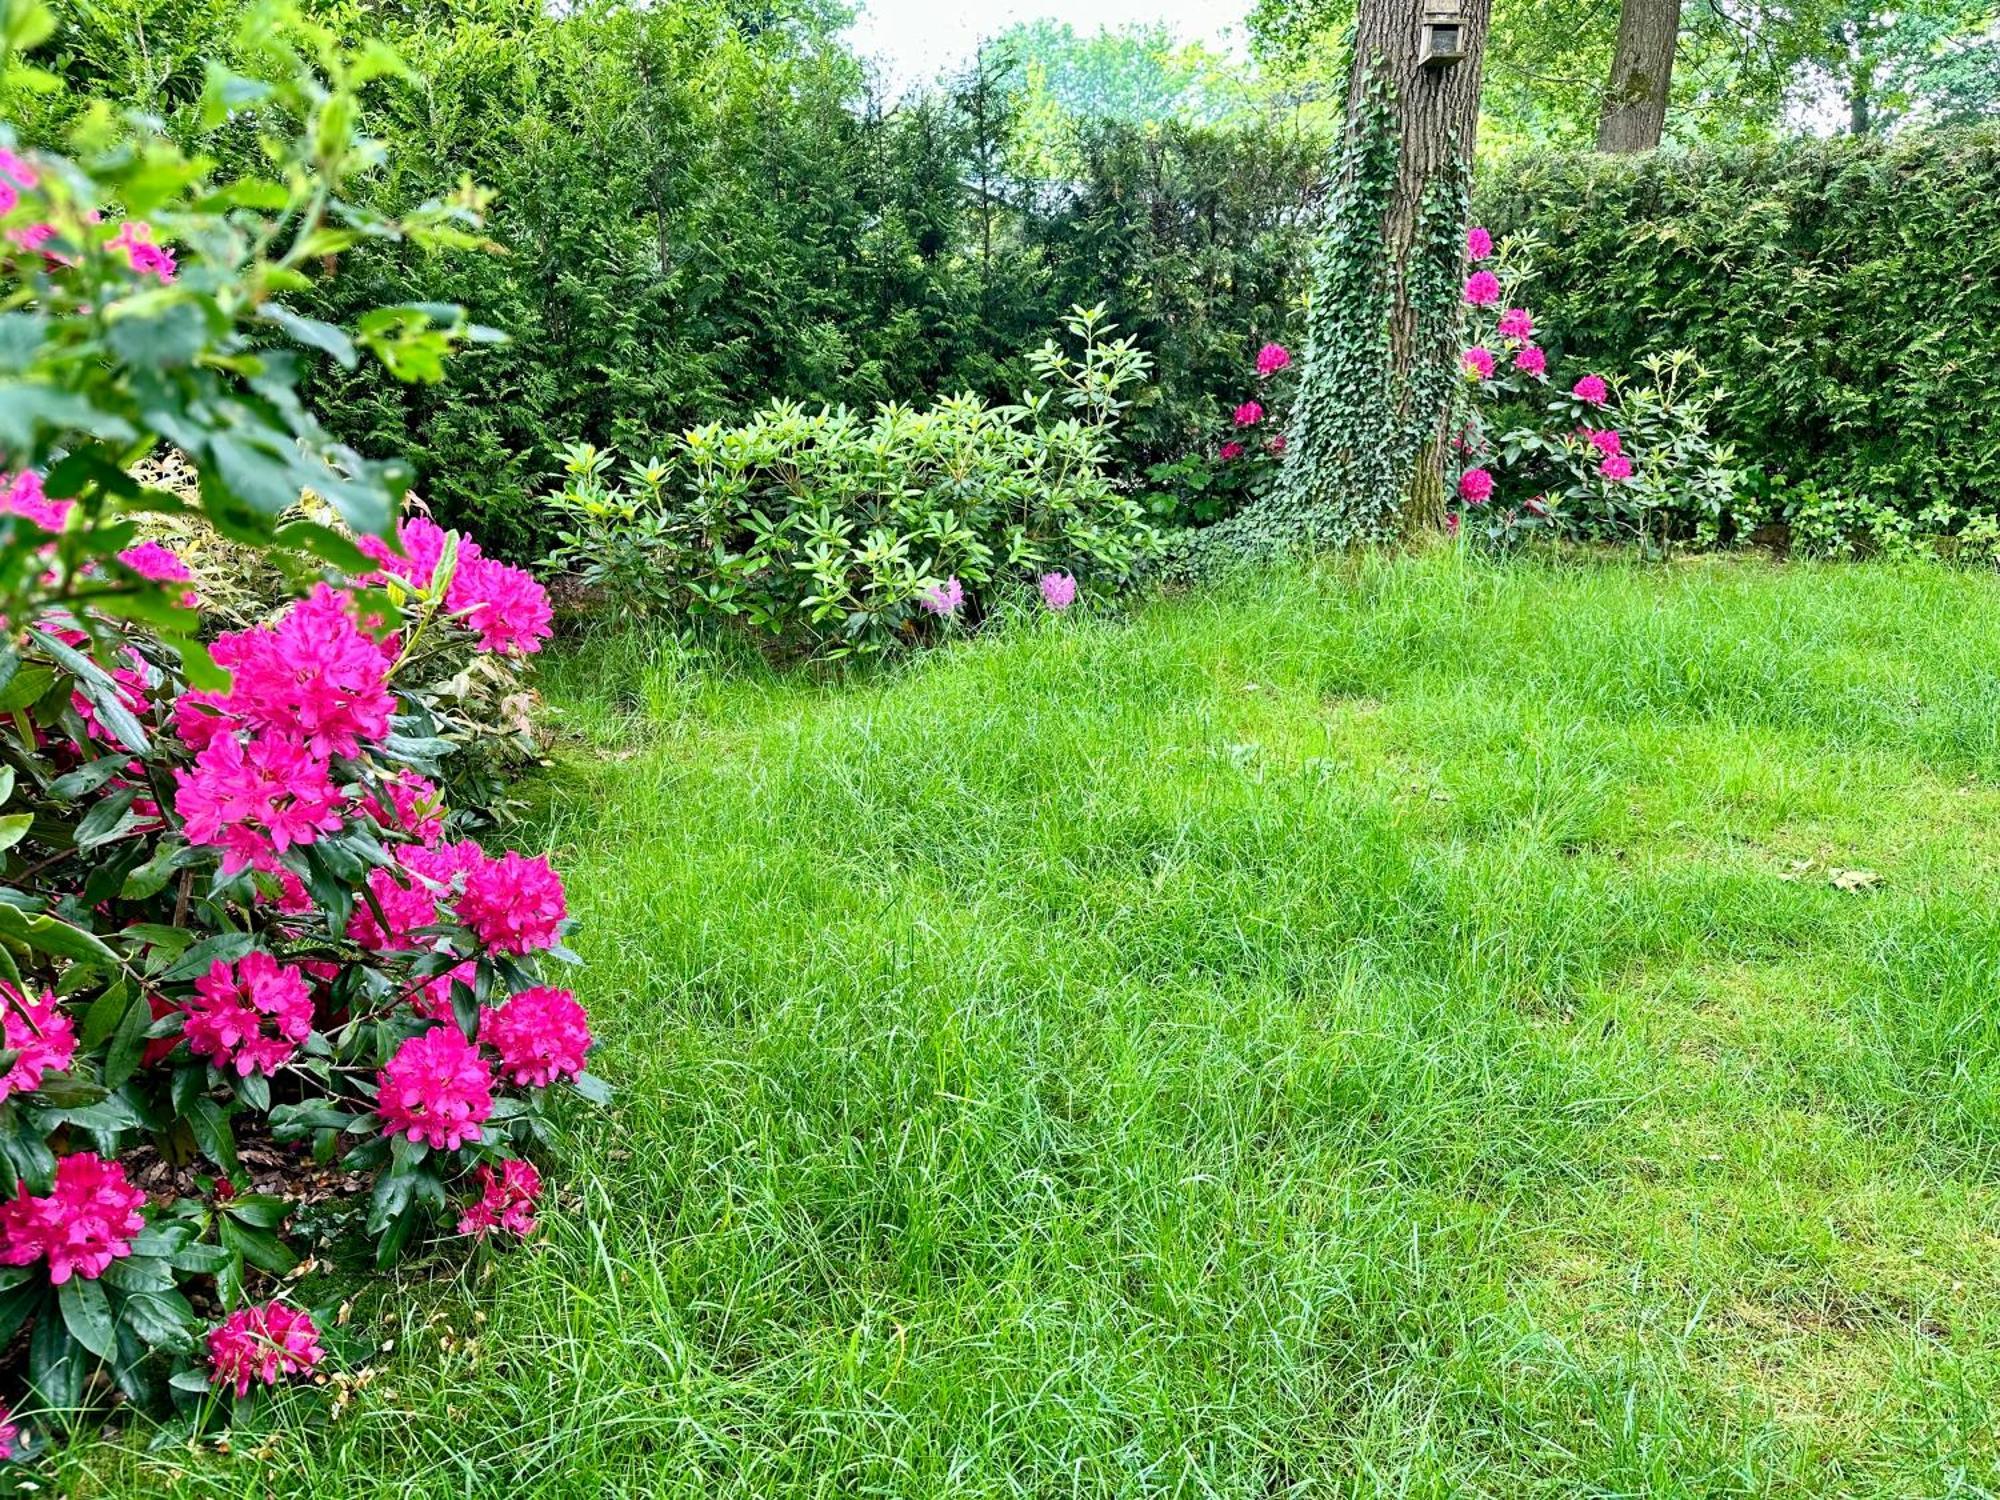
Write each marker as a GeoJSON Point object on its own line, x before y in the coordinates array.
{"type": "Point", "coordinates": [414, 807]}
{"type": "Point", "coordinates": [1478, 362]}
{"type": "Point", "coordinates": [1515, 323]}
{"type": "Point", "coordinates": [1605, 442]}
{"type": "Point", "coordinates": [133, 683]}
{"type": "Point", "coordinates": [315, 676]}
{"type": "Point", "coordinates": [406, 906]}
{"type": "Point", "coordinates": [1249, 414]}
{"type": "Point", "coordinates": [436, 1089]}
{"type": "Point", "coordinates": [135, 241]}
{"type": "Point", "coordinates": [1616, 467]}
{"type": "Point", "coordinates": [1451, 523]}
{"type": "Point", "coordinates": [156, 561]}
{"type": "Point", "coordinates": [1478, 244]}
{"type": "Point", "coordinates": [1531, 361]}
{"type": "Point", "coordinates": [1482, 289]}
{"type": "Point", "coordinates": [254, 801]}
{"type": "Point", "coordinates": [513, 904]}
{"type": "Point", "coordinates": [1591, 390]}
{"type": "Point", "coordinates": [228, 1014]}
{"type": "Point", "coordinates": [419, 546]}
{"type": "Point", "coordinates": [503, 604]}
{"type": "Point", "coordinates": [1058, 591]}
{"type": "Point", "coordinates": [432, 998]}
{"type": "Point", "coordinates": [294, 900]}
{"type": "Point", "coordinates": [1271, 359]}
{"type": "Point", "coordinates": [10, 1432]}
{"type": "Point", "coordinates": [444, 864]}
{"type": "Point", "coordinates": [506, 1200]}
{"type": "Point", "coordinates": [86, 1222]}
{"type": "Point", "coordinates": [23, 496]}
{"type": "Point", "coordinates": [39, 1034]}
{"type": "Point", "coordinates": [541, 1035]}
{"type": "Point", "coordinates": [945, 598]}
{"type": "Point", "coordinates": [31, 237]}
{"type": "Point", "coordinates": [1275, 444]}
{"type": "Point", "coordinates": [1475, 486]}
{"type": "Point", "coordinates": [264, 1344]}
{"type": "Point", "coordinates": [1228, 451]}
{"type": "Point", "coordinates": [22, 174]}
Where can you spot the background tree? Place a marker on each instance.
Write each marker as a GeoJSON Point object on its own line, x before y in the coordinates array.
{"type": "Point", "coordinates": [1642, 72]}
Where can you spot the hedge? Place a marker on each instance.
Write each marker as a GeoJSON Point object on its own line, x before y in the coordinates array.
{"type": "Point", "coordinates": [1845, 293]}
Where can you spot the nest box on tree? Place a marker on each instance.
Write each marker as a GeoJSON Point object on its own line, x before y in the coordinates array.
{"type": "Point", "coordinates": [1444, 34]}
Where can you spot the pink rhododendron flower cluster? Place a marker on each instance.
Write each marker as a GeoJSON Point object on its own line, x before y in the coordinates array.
{"type": "Point", "coordinates": [1058, 591]}
{"type": "Point", "coordinates": [1591, 390]}
{"type": "Point", "coordinates": [1478, 244]}
{"type": "Point", "coordinates": [506, 1200]}
{"type": "Point", "coordinates": [437, 1090]}
{"type": "Point", "coordinates": [1606, 442]}
{"type": "Point", "coordinates": [1275, 444]}
{"type": "Point", "coordinates": [10, 1431]}
{"type": "Point", "coordinates": [1249, 414]}
{"type": "Point", "coordinates": [251, 1016]}
{"type": "Point", "coordinates": [86, 1222]}
{"type": "Point", "coordinates": [156, 561]}
{"type": "Point", "coordinates": [263, 1344]}
{"type": "Point", "coordinates": [945, 598]}
{"type": "Point", "coordinates": [134, 241]}
{"type": "Point", "coordinates": [513, 904]}
{"type": "Point", "coordinates": [255, 800]}
{"type": "Point", "coordinates": [404, 905]}
{"type": "Point", "coordinates": [22, 495]}
{"type": "Point", "coordinates": [1475, 486]}
{"type": "Point", "coordinates": [1616, 467]}
{"type": "Point", "coordinates": [415, 807]}
{"type": "Point", "coordinates": [503, 604]}
{"type": "Point", "coordinates": [315, 677]}
{"type": "Point", "coordinates": [39, 1034]}
{"type": "Point", "coordinates": [432, 999]}
{"type": "Point", "coordinates": [1515, 323]}
{"type": "Point", "coordinates": [1531, 361]}
{"type": "Point", "coordinates": [1477, 362]}
{"type": "Point", "coordinates": [1229, 450]}
{"type": "Point", "coordinates": [541, 1035]}
{"type": "Point", "coordinates": [1482, 289]}
{"type": "Point", "coordinates": [1271, 359]}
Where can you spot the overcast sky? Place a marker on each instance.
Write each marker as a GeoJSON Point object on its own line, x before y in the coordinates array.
{"type": "Point", "coordinates": [915, 39]}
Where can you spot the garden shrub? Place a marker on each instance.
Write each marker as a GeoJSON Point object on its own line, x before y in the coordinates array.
{"type": "Point", "coordinates": [234, 908]}
{"type": "Point", "coordinates": [843, 534]}
{"type": "Point", "coordinates": [1842, 293]}
{"type": "Point", "coordinates": [1603, 456]}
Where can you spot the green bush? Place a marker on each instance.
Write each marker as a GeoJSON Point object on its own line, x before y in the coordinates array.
{"type": "Point", "coordinates": [849, 535]}
{"type": "Point", "coordinates": [1843, 293]}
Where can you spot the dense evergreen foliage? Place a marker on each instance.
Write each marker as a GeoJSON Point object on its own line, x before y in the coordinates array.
{"type": "Point", "coordinates": [1843, 293]}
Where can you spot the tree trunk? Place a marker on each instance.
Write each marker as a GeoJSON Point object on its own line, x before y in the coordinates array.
{"type": "Point", "coordinates": [1642, 75]}
{"type": "Point", "coordinates": [1435, 114]}
{"type": "Point", "coordinates": [1366, 438]}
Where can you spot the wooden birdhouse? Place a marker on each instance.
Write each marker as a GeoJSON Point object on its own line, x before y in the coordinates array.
{"type": "Point", "coordinates": [1444, 34]}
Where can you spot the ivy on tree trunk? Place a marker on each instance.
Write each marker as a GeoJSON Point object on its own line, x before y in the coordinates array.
{"type": "Point", "coordinates": [1368, 436]}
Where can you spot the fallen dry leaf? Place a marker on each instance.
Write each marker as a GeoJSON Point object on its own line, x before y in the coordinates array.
{"type": "Point", "coordinates": [1854, 880]}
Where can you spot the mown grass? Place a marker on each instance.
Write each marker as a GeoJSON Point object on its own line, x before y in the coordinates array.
{"type": "Point", "coordinates": [1387, 1030]}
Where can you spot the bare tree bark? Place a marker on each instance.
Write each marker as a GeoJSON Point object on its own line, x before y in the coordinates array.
{"type": "Point", "coordinates": [1435, 108]}
{"type": "Point", "coordinates": [1642, 76]}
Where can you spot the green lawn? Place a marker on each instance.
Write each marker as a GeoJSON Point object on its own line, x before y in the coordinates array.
{"type": "Point", "coordinates": [1390, 1031]}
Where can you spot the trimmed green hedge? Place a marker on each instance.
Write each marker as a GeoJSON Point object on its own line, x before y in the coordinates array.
{"type": "Point", "coordinates": [1846, 293]}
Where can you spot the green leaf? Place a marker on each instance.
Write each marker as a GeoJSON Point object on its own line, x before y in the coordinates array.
{"type": "Point", "coordinates": [212, 1134]}
{"type": "Point", "coordinates": [27, 687]}
{"type": "Point", "coordinates": [160, 1317]}
{"type": "Point", "coordinates": [14, 827]}
{"type": "Point", "coordinates": [55, 1363]}
{"type": "Point", "coordinates": [56, 938]}
{"type": "Point", "coordinates": [128, 1043]}
{"type": "Point", "coordinates": [312, 332]}
{"type": "Point", "coordinates": [86, 1312]}
{"type": "Point", "coordinates": [258, 1246]}
{"type": "Point", "coordinates": [261, 1210]}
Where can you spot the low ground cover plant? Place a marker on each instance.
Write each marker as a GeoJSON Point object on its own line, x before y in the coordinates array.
{"type": "Point", "coordinates": [261, 997]}
{"type": "Point", "coordinates": [850, 535]}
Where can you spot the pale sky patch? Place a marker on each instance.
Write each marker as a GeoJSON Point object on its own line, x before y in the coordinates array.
{"type": "Point", "coordinates": [915, 40]}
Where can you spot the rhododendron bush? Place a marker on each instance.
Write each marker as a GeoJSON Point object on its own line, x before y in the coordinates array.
{"type": "Point", "coordinates": [1594, 455]}
{"type": "Point", "coordinates": [249, 960]}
